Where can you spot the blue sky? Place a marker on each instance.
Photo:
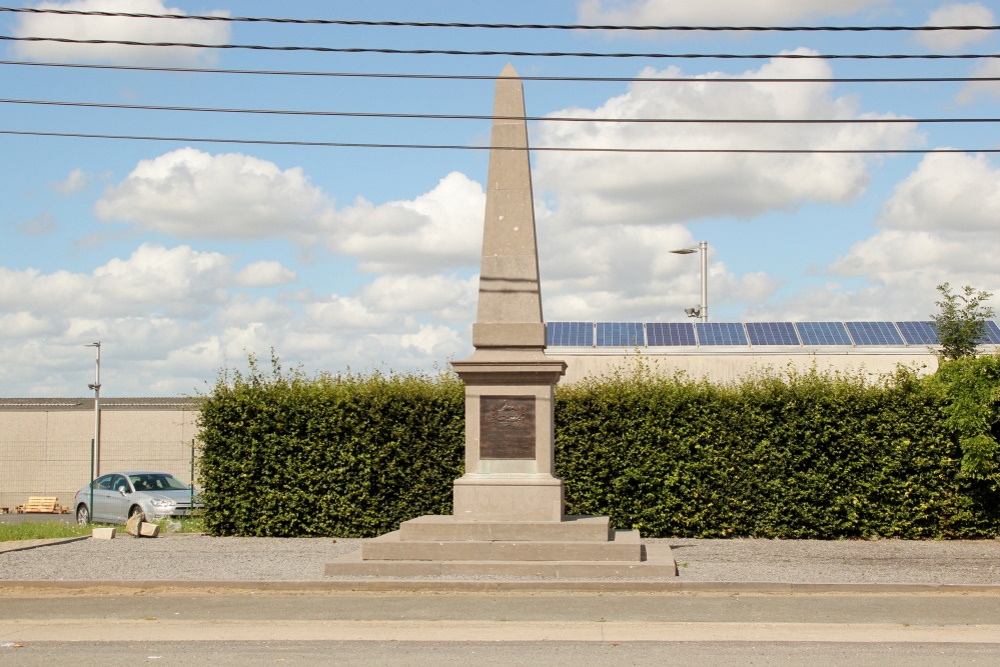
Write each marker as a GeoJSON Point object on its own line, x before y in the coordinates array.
{"type": "Point", "coordinates": [183, 257]}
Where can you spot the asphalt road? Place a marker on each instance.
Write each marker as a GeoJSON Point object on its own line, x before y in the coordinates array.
{"type": "Point", "coordinates": [181, 626]}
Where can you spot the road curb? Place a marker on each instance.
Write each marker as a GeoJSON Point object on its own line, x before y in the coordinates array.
{"type": "Point", "coordinates": [24, 545]}
{"type": "Point", "coordinates": [465, 586]}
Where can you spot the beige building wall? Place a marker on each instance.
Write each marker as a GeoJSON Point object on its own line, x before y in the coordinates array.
{"type": "Point", "coordinates": [45, 444]}
{"type": "Point", "coordinates": [725, 367]}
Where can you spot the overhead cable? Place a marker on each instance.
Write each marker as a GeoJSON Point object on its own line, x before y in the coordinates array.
{"type": "Point", "coordinates": [506, 26]}
{"type": "Point", "coordinates": [558, 119]}
{"type": "Point", "coordinates": [492, 77]}
{"type": "Point", "coordinates": [535, 54]}
{"type": "Point", "coordinates": [554, 149]}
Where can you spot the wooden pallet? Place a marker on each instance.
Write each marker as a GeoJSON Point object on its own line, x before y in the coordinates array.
{"type": "Point", "coordinates": [40, 505]}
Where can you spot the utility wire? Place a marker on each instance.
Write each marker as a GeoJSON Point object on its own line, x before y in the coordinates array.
{"type": "Point", "coordinates": [559, 119]}
{"type": "Point", "coordinates": [536, 54]}
{"type": "Point", "coordinates": [569, 149]}
{"type": "Point", "coordinates": [510, 26]}
{"type": "Point", "coordinates": [493, 77]}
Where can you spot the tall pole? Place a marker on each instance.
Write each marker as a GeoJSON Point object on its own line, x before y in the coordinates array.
{"type": "Point", "coordinates": [96, 386]}
{"type": "Point", "coordinates": [703, 247]}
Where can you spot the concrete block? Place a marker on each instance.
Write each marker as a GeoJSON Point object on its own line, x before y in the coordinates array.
{"type": "Point", "coordinates": [104, 534]}
{"type": "Point", "coordinates": [148, 529]}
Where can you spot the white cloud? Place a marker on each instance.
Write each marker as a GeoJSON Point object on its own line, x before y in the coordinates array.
{"type": "Point", "coordinates": [438, 230]}
{"type": "Point", "coordinates": [76, 180]}
{"type": "Point", "coordinates": [948, 192]}
{"type": "Point", "coordinates": [444, 298]}
{"type": "Point", "coordinates": [715, 12]}
{"type": "Point", "coordinates": [645, 187]}
{"type": "Point", "coordinates": [118, 29]}
{"type": "Point", "coordinates": [265, 273]}
{"type": "Point", "coordinates": [43, 224]}
{"type": "Point", "coordinates": [188, 193]}
{"type": "Point", "coordinates": [22, 324]}
{"type": "Point", "coordinates": [243, 311]}
{"type": "Point", "coordinates": [975, 89]}
{"type": "Point", "coordinates": [954, 15]}
{"type": "Point", "coordinates": [940, 224]}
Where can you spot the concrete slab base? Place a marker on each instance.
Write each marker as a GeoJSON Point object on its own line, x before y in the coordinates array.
{"type": "Point", "coordinates": [578, 547]}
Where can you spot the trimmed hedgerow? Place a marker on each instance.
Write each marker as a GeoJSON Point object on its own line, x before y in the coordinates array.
{"type": "Point", "coordinates": [799, 455]}
{"type": "Point", "coordinates": [802, 456]}
{"type": "Point", "coordinates": [351, 456]}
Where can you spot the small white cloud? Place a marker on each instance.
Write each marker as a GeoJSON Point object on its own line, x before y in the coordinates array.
{"type": "Point", "coordinates": [265, 273]}
{"type": "Point", "coordinates": [76, 180]}
{"type": "Point", "coordinates": [947, 192]}
{"type": "Point", "coordinates": [438, 230]}
{"type": "Point", "coordinates": [23, 324]}
{"type": "Point", "coordinates": [976, 89]}
{"type": "Point", "coordinates": [118, 29]}
{"type": "Point", "coordinates": [189, 194]}
{"type": "Point", "coordinates": [957, 15]}
{"type": "Point", "coordinates": [41, 225]}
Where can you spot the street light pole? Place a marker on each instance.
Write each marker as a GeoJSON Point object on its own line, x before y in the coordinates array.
{"type": "Point", "coordinates": [703, 247]}
{"type": "Point", "coordinates": [96, 386]}
{"type": "Point", "coordinates": [702, 310]}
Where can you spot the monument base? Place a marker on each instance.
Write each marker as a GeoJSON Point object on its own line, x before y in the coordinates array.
{"type": "Point", "coordinates": [576, 547]}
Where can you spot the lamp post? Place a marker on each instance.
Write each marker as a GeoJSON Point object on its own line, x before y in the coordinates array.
{"type": "Point", "coordinates": [96, 386]}
{"type": "Point", "coordinates": [702, 310]}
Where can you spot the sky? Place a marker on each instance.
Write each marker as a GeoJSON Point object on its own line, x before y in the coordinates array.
{"type": "Point", "coordinates": [183, 257]}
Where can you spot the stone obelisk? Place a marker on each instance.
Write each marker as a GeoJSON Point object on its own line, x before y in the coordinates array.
{"type": "Point", "coordinates": [509, 380]}
{"type": "Point", "coordinates": [508, 506]}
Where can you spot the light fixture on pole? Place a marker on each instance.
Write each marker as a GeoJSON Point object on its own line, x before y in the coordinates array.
{"type": "Point", "coordinates": [96, 386]}
{"type": "Point", "coordinates": [702, 310]}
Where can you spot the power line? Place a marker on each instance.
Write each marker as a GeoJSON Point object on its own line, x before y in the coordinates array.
{"type": "Point", "coordinates": [560, 119]}
{"type": "Point", "coordinates": [492, 77]}
{"type": "Point", "coordinates": [567, 149]}
{"type": "Point", "coordinates": [534, 54]}
{"type": "Point", "coordinates": [509, 26]}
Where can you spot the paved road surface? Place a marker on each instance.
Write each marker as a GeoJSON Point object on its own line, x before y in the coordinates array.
{"type": "Point", "coordinates": [191, 627]}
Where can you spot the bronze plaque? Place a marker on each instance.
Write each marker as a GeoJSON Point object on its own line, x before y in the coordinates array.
{"type": "Point", "coordinates": [507, 427]}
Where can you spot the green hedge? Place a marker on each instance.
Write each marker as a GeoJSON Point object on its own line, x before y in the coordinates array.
{"type": "Point", "coordinates": [344, 456]}
{"type": "Point", "coordinates": [793, 456]}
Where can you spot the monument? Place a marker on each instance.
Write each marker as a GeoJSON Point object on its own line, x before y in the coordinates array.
{"type": "Point", "coordinates": [508, 506]}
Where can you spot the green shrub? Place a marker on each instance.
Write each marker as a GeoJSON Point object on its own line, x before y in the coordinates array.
{"type": "Point", "coordinates": [352, 456]}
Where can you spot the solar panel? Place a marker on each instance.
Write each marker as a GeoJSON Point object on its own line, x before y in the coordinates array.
{"type": "Point", "coordinates": [823, 333]}
{"type": "Point", "coordinates": [992, 335]}
{"type": "Point", "coordinates": [772, 333]}
{"type": "Point", "coordinates": [620, 334]}
{"type": "Point", "coordinates": [918, 333]}
{"type": "Point", "coordinates": [720, 333]}
{"type": "Point", "coordinates": [670, 334]}
{"type": "Point", "coordinates": [569, 334]}
{"type": "Point", "coordinates": [874, 333]}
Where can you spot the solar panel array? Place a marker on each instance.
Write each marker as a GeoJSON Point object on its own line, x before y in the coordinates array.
{"type": "Point", "coordinates": [776, 334]}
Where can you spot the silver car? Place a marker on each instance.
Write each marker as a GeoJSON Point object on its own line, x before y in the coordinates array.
{"type": "Point", "coordinates": [117, 496]}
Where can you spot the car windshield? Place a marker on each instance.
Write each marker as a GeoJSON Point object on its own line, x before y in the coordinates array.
{"type": "Point", "coordinates": [157, 482]}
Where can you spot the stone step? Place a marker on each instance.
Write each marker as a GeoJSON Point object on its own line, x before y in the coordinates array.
{"type": "Point", "coordinates": [659, 563]}
{"type": "Point", "coordinates": [624, 546]}
{"type": "Point", "coordinates": [449, 528]}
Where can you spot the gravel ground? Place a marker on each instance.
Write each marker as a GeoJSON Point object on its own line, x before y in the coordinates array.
{"type": "Point", "coordinates": [198, 557]}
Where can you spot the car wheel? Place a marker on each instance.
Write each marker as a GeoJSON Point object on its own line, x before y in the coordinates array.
{"type": "Point", "coordinates": [82, 515]}
{"type": "Point", "coordinates": [135, 509]}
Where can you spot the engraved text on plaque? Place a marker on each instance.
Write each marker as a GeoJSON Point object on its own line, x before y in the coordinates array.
{"type": "Point", "coordinates": [507, 427]}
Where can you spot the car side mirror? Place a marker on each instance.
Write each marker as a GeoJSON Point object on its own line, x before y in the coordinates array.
{"type": "Point", "coordinates": [123, 491]}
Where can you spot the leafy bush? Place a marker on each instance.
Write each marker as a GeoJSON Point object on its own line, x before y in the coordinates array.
{"type": "Point", "coordinates": [804, 455]}
{"type": "Point", "coordinates": [285, 455]}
